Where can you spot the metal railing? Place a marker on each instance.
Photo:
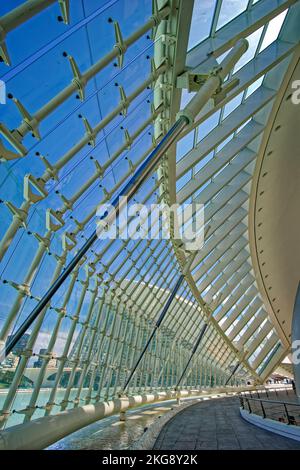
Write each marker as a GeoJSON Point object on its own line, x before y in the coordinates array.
{"type": "Point", "coordinates": [287, 412]}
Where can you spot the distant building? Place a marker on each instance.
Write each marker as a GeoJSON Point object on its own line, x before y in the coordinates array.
{"type": "Point", "coordinates": [10, 362]}
{"type": "Point", "coordinates": [39, 362]}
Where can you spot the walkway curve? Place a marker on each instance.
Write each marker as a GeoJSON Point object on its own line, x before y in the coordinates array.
{"type": "Point", "coordinates": [217, 424]}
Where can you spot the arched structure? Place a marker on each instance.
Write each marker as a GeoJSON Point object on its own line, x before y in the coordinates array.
{"type": "Point", "coordinates": [86, 102]}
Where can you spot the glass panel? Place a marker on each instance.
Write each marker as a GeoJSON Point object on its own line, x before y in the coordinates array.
{"type": "Point", "coordinates": [201, 21]}
{"type": "Point", "coordinates": [208, 125]}
{"type": "Point", "coordinates": [229, 10]}
{"type": "Point", "coordinates": [273, 30]}
{"type": "Point", "coordinates": [251, 89]}
{"type": "Point", "coordinates": [253, 41]}
{"type": "Point", "coordinates": [232, 105]}
{"type": "Point", "coordinates": [185, 145]}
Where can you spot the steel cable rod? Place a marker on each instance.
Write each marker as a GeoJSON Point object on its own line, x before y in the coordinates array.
{"type": "Point", "coordinates": [192, 354]}
{"type": "Point", "coordinates": [232, 373]}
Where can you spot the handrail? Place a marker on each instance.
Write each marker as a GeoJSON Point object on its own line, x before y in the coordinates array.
{"type": "Point", "coordinates": [272, 401]}
{"type": "Point", "coordinates": [284, 413]}
{"type": "Point", "coordinates": [267, 390]}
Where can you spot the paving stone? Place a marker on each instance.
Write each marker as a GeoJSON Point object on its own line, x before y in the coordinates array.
{"type": "Point", "coordinates": [248, 444]}
{"type": "Point", "coordinates": [216, 424]}
{"type": "Point", "coordinates": [229, 447]}
{"type": "Point", "coordinates": [183, 445]}
{"type": "Point", "coordinates": [205, 445]}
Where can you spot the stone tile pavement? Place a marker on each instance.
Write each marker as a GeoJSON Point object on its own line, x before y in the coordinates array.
{"type": "Point", "coordinates": [216, 424]}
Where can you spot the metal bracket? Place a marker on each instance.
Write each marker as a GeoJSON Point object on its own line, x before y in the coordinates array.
{"type": "Point", "coordinates": [78, 79]}
{"type": "Point", "coordinates": [51, 170]}
{"type": "Point", "coordinates": [120, 44]}
{"type": "Point", "coordinates": [3, 49]}
{"type": "Point", "coordinates": [124, 101]}
{"type": "Point", "coordinates": [154, 140]}
{"type": "Point", "coordinates": [47, 356]}
{"type": "Point", "coordinates": [61, 311]}
{"type": "Point", "coordinates": [61, 258]}
{"type": "Point", "coordinates": [90, 269]}
{"type": "Point", "coordinates": [155, 111]}
{"type": "Point", "coordinates": [128, 139]}
{"type": "Point", "coordinates": [66, 238]}
{"type": "Point", "coordinates": [153, 72]}
{"type": "Point", "coordinates": [7, 155]}
{"type": "Point", "coordinates": [89, 132]}
{"type": "Point", "coordinates": [99, 168]}
{"type": "Point", "coordinates": [24, 289]}
{"type": "Point", "coordinates": [82, 261]}
{"type": "Point", "coordinates": [193, 79]}
{"type": "Point", "coordinates": [68, 204]}
{"type": "Point", "coordinates": [221, 93]}
{"type": "Point", "coordinates": [43, 240]}
{"type": "Point", "coordinates": [31, 122]}
{"type": "Point", "coordinates": [64, 6]}
{"type": "Point", "coordinates": [166, 87]}
{"type": "Point", "coordinates": [29, 195]}
{"type": "Point", "coordinates": [26, 353]}
{"type": "Point", "coordinates": [164, 121]}
{"type": "Point", "coordinates": [20, 214]}
{"type": "Point", "coordinates": [155, 18]}
{"type": "Point", "coordinates": [50, 225]}
{"type": "Point", "coordinates": [168, 39]}
{"type": "Point", "coordinates": [132, 167]}
{"type": "Point", "coordinates": [106, 193]}
{"type": "Point", "coordinates": [80, 225]}
{"type": "Point", "coordinates": [14, 141]}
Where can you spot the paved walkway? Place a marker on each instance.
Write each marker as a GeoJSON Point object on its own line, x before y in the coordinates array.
{"type": "Point", "coordinates": [216, 424]}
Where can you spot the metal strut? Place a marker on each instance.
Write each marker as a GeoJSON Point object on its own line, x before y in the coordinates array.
{"type": "Point", "coordinates": [232, 373]}
{"type": "Point", "coordinates": [157, 324]}
{"type": "Point", "coordinates": [161, 317]}
{"type": "Point", "coordinates": [184, 118]}
{"type": "Point", "coordinates": [242, 358]}
{"type": "Point", "coordinates": [192, 354]}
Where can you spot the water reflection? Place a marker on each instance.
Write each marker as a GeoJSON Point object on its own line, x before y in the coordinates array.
{"type": "Point", "coordinates": [110, 433]}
